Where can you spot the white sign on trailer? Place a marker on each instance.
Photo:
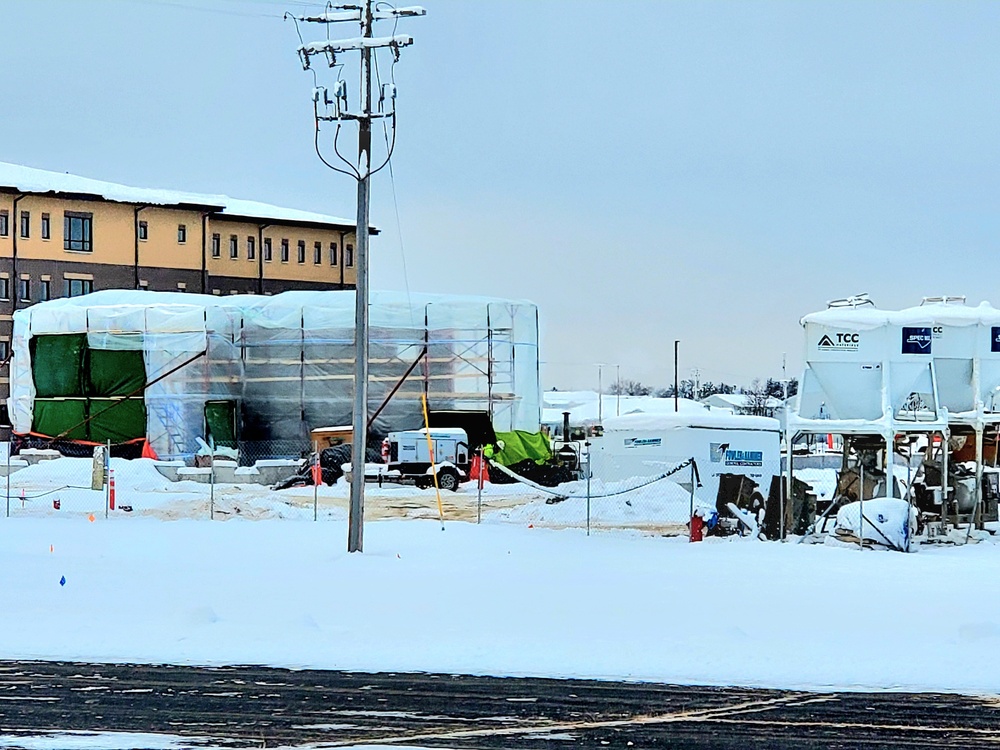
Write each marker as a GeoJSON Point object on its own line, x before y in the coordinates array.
{"type": "Point", "coordinates": [644, 445]}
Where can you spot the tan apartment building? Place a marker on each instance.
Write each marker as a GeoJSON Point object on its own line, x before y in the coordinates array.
{"type": "Point", "coordinates": [62, 235]}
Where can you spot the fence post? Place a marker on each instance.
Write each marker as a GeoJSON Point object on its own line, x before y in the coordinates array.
{"type": "Point", "coordinates": [211, 484]}
{"type": "Point", "coordinates": [107, 479]}
{"type": "Point", "coordinates": [317, 474]}
{"type": "Point", "coordinates": [691, 500]}
{"type": "Point", "coordinates": [861, 505]}
{"type": "Point", "coordinates": [479, 484]}
{"type": "Point", "coordinates": [586, 444]}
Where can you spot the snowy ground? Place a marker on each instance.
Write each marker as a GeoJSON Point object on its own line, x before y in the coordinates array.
{"type": "Point", "coordinates": [660, 506]}
{"type": "Point", "coordinates": [500, 599]}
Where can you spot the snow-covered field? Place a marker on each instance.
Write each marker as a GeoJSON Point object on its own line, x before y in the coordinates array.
{"type": "Point", "coordinates": [500, 599]}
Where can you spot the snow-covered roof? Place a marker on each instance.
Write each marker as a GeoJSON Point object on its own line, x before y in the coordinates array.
{"type": "Point", "coordinates": [866, 318]}
{"type": "Point", "coordinates": [718, 419]}
{"type": "Point", "coordinates": [15, 177]}
{"type": "Point", "coordinates": [584, 407]}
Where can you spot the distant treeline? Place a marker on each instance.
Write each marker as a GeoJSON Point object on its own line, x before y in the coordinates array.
{"type": "Point", "coordinates": [758, 389]}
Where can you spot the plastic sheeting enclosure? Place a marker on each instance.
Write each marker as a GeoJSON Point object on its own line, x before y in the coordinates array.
{"type": "Point", "coordinates": [277, 366]}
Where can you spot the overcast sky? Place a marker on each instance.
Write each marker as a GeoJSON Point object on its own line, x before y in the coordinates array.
{"type": "Point", "coordinates": [643, 171]}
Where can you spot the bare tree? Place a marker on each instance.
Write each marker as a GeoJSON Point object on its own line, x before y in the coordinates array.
{"type": "Point", "coordinates": [757, 399]}
{"type": "Point", "coordinates": [629, 388]}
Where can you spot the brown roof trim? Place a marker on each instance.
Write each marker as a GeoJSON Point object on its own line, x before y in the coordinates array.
{"type": "Point", "coordinates": [287, 222]}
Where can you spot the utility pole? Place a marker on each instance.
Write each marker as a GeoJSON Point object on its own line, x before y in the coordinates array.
{"type": "Point", "coordinates": [600, 393]}
{"type": "Point", "coordinates": [677, 392]}
{"type": "Point", "coordinates": [618, 390]}
{"type": "Point", "coordinates": [337, 110]}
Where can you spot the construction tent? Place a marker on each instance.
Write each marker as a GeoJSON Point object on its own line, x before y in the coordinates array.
{"type": "Point", "coordinates": [170, 368]}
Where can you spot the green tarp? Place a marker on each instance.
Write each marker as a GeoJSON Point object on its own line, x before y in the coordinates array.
{"type": "Point", "coordinates": [53, 416]}
{"type": "Point", "coordinates": [124, 420]}
{"type": "Point", "coordinates": [58, 364]}
{"type": "Point", "coordinates": [63, 365]}
{"type": "Point", "coordinates": [115, 373]}
{"type": "Point", "coordinates": [220, 418]}
{"type": "Point", "coordinates": [521, 445]}
{"type": "Point", "coordinates": [117, 420]}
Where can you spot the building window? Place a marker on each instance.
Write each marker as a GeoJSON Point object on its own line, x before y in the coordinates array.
{"type": "Point", "coordinates": [78, 287]}
{"type": "Point", "coordinates": [182, 286]}
{"type": "Point", "coordinates": [44, 290]}
{"type": "Point", "coordinates": [216, 291]}
{"type": "Point", "coordinates": [46, 227]}
{"type": "Point", "coordinates": [216, 246]}
{"type": "Point", "coordinates": [318, 253]}
{"type": "Point", "coordinates": [234, 246]}
{"type": "Point", "coordinates": [267, 249]}
{"type": "Point", "coordinates": [302, 251]}
{"type": "Point", "coordinates": [143, 284]}
{"type": "Point", "coordinates": [251, 248]}
{"type": "Point", "coordinates": [333, 253]}
{"type": "Point", "coordinates": [77, 231]}
{"type": "Point", "coordinates": [4, 223]}
{"type": "Point", "coordinates": [143, 231]}
{"type": "Point", "coordinates": [24, 290]}
{"type": "Point", "coordinates": [25, 224]}
{"type": "Point", "coordinates": [182, 233]}
{"type": "Point", "coordinates": [4, 287]}
{"type": "Point", "coordinates": [349, 256]}
{"type": "Point", "coordinates": [4, 350]}
{"type": "Point", "coordinates": [284, 251]}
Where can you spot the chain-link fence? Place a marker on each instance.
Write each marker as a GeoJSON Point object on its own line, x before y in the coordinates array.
{"type": "Point", "coordinates": [278, 480]}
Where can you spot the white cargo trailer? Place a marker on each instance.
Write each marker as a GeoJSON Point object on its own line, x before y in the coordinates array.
{"type": "Point", "coordinates": [647, 444]}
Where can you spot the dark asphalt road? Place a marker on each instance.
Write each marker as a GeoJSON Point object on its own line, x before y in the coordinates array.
{"type": "Point", "coordinates": [259, 707]}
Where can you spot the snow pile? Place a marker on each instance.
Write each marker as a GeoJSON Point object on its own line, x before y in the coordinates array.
{"type": "Point", "coordinates": [883, 521]}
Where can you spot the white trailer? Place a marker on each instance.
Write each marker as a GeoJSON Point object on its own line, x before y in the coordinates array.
{"type": "Point", "coordinates": [647, 444]}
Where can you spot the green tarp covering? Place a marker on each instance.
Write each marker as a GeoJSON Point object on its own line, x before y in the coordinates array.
{"type": "Point", "coordinates": [220, 418]}
{"type": "Point", "coordinates": [117, 420]}
{"type": "Point", "coordinates": [64, 366]}
{"type": "Point", "coordinates": [58, 363]}
{"type": "Point", "coordinates": [125, 420]}
{"type": "Point", "coordinates": [53, 416]}
{"type": "Point", "coordinates": [115, 373]}
{"type": "Point", "coordinates": [521, 445]}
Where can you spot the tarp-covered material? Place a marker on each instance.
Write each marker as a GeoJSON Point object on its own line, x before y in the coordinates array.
{"type": "Point", "coordinates": [883, 521]}
{"type": "Point", "coordinates": [53, 417]}
{"type": "Point", "coordinates": [117, 420]}
{"type": "Point", "coordinates": [58, 365]}
{"type": "Point", "coordinates": [288, 360]}
{"type": "Point", "coordinates": [519, 445]}
{"type": "Point", "coordinates": [220, 422]}
{"type": "Point", "coordinates": [115, 373]}
{"type": "Point", "coordinates": [95, 420]}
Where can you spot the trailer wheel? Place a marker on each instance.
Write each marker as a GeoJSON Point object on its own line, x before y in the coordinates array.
{"type": "Point", "coordinates": [448, 479]}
